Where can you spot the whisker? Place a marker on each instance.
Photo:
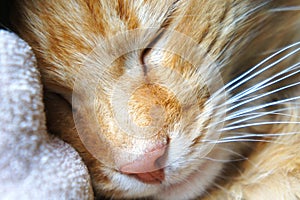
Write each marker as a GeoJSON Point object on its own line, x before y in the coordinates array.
{"type": "Point", "coordinates": [259, 114]}
{"type": "Point", "coordinates": [247, 91]}
{"type": "Point", "coordinates": [244, 111]}
{"type": "Point", "coordinates": [251, 11]}
{"type": "Point", "coordinates": [224, 161]}
{"type": "Point", "coordinates": [263, 84]}
{"type": "Point", "coordinates": [232, 83]}
{"type": "Point", "coordinates": [283, 9]}
{"type": "Point", "coordinates": [231, 151]}
{"type": "Point", "coordinates": [254, 115]}
{"type": "Point", "coordinates": [268, 135]}
{"type": "Point", "coordinates": [260, 96]}
{"type": "Point", "coordinates": [264, 114]}
{"type": "Point", "coordinates": [263, 95]}
{"type": "Point", "coordinates": [241, 140]}
{"type": "Point", "coordinates": [258, 124]}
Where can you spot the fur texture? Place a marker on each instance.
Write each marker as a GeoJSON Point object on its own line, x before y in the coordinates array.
{"type": "Point", "coordinates": [214, 81]}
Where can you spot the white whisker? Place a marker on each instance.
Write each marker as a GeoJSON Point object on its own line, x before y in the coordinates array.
{"type": "Point", "coordinates": [263, 84]}
{"type": "Point", "coordinates": [246, 14]}
{"type": "Point", "coordinates": [263, 95]}
{"type": "Point", "coordinates": [254, 116]}
{"type": "Point", "coordinates": [257, 124]}
{"type": "Point", "coordinates": [233, 99]}
{"type": "Point", "coordinates": [284, 9]}
{"type": "Point", "coordinates": [264, 114]}
{"type": "Point", "coordinates": [224, 161]}
{"type": "Point", "coordinates": [255, 67]}
{"type": "Point", "coordinates": [267, 135]}
{"type": "Point", "coordinates": [234, 83]}
{"type": "Point", "coordinates": [241, 140]}
{"type": "Point", "coordinates": [232, 152]}
{"type": "Point", "coordinates": [244, 111]}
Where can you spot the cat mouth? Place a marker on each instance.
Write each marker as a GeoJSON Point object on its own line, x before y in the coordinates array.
{"type": "Point", "coordinates": [158, 178]}
{"type": "Point", "coordinates": [154, 177]}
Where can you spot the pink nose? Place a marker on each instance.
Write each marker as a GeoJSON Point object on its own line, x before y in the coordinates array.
{"type": "Point", "coordinates": [148, 168]}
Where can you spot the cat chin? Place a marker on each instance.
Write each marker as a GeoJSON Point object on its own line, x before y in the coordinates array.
{"type": "Point", "coordinates": [191, 187]}
{"type": "Point", "coordinates": [195, 184]}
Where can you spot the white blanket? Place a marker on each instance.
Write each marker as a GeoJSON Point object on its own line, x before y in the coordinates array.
{"type": "Point", "coordinates": [33, 164]}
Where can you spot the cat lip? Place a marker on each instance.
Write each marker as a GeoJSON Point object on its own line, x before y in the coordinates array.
{"type": "Point", "coordinates": [154, 177]}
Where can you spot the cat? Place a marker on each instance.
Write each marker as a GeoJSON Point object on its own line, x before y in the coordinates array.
{"type": "Point", "coordinates": [173, 99]}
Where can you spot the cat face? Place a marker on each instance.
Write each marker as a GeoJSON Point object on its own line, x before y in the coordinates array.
{"type": "Point", "coordinates": [152, 85]}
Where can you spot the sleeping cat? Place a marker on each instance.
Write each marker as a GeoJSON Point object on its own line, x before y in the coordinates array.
{"type": "Point", "coordinates": [175, 99]}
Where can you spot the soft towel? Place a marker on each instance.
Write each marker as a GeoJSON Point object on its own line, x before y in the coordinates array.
{"type": "Point", "coordinates": [33, 163]}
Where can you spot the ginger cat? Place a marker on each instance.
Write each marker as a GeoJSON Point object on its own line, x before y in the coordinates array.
{"type": "Point", "coordinates": [173, 99]}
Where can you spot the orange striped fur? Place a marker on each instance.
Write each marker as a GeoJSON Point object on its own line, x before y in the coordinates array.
{"type": "Point", "coordinates": [228, 36]}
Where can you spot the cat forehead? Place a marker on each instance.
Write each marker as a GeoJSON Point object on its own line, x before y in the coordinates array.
{"type": "Point", "coordinates": [108, 17]}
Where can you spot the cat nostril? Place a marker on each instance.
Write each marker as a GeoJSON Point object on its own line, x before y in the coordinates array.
{"type": "Point", "coordinates": [149, 167]}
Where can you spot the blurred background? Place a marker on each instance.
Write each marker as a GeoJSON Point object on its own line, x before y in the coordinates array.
{"type": "Point", "coordinates": [4, 10]}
